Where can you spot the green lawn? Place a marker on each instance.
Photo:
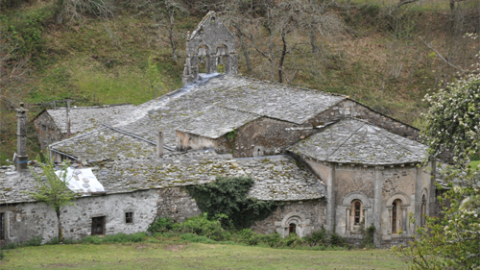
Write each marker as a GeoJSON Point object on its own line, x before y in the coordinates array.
{"type": "Point", "coordinates": [192, 255]}
{"type": "Point", "coordinates": [474, 163]}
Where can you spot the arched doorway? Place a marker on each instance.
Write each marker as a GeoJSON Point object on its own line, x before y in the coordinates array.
{"type": "Point", "coordinates": [292, 229]}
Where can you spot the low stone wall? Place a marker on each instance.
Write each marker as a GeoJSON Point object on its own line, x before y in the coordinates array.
{"type": "Point", "coordinates": [308, 216]}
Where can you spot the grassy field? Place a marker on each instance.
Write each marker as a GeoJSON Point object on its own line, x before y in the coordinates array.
{"type": "Point", "coordinates": [474, 163]}
{"type": "Point", "coordinates": [192, 255]}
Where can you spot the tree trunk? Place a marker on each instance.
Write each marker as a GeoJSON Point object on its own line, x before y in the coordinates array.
{"type": "Point", "coordinates": [282, 58]}
{"type": "Point", "coordinates": [244, 49]}
{"type": "Point", "coordinates": [60, 233]}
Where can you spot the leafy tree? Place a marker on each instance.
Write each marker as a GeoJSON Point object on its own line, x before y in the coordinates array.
{"type": "Point", "coordinates": [453, 125]}
{"type": "Point", "coordinates": [52, 189]}
{"type": "Point", "coordinates": [153, 76]}
{"type": "Point", "coordinates": [229, 196]}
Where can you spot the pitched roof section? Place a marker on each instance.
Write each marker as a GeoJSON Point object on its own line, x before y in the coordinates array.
{"type": "Point", "coordinates": [87, 118]}
{"type": "Point", "coordinates": [356, 141]}
{"type": "Point", "coordinates": [245, 97]}
{"type": "Point", "coordinates": [211, 123]}
{"type": "Point", "coordinates": [277, 178]}
{"type": "Point", "coordinates": [206, 19]}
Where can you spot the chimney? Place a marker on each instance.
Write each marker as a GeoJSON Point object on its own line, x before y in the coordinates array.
{"type": "Point", "coordinates": [22, 158]}
{"type": "Point", "coordinates": [160, 143]}
{"type": "Point", "coordinates": [68, 118]}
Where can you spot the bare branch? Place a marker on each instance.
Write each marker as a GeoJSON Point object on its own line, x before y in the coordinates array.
{"type": "Point", "coordinates": [437, 53]}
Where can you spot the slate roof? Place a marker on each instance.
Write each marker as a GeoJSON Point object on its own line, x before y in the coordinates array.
{"type": "Point", "coordinates": [241, 99]}
{"type": "Point", "coordinates": [86, 118]}
{"type": "Point", "coordinates": [277, 178]}
{"type": "Point", "coordinates": [214, 117]}
{"type": "Point", "coordinates": [357, 141]}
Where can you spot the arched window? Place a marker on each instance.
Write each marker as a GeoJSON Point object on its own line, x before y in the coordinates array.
{"type": "Point", "coordinates": [292, 228]}
{"type": "Point", "coordinates": [423, 211]}
{"type": "Point", "coordinates": [394, 217]}
{"type": "Point", "coordinates": [358, 207]}
{"type": "Point", "coordinates": [356, 212]}
{"type": "Point", "coordinates": [396, 205]}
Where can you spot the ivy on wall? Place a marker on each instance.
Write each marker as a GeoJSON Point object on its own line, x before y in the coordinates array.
{"type": "Point", "coordinates": [229, 196]}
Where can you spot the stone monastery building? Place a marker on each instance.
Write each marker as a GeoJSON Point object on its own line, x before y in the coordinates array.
{"type": "Point", "coordinates": [334, 162]}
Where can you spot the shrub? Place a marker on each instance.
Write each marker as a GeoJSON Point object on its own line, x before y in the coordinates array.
{"type": "Point", "coordinates": [53, 241]}
{"type": "Point", "coordinates": [336, 240]}
{"type": "Point", "coordinates": [124, 238]}
{"type": "Point", "coordinates": [92, 239]}
{"type": "Point", "coordinates": [161, 225]}
{"type": "Point", "coordinates": [35, 241]}
{"type": "Point", "coordinates": [317, 238]}
{"type": "Point", "coordinates": [201, 225]}
{"type": "Point", "coordinates": [197, 238]}
{"type": "Point", "coordinates": [368, 237]}
{"type": "Point", "coordinates": [229, 196]}
{"type": "Point", "coordinates": [248, 237]}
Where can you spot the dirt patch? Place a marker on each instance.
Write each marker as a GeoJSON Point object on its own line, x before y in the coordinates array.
{"type": "Point", "coordinates": [141, 247]}
{"type": "Point", "coordinates": [175, 248]}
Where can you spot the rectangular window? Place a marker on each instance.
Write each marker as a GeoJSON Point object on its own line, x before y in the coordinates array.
{"type": "Point", "coordinates": [129, 217]}
{"type": "Point", "coordinates": [98, 225]}
{"type": "Point", "coordinates": [44, 127]}
{"type": "Point", "coordinates": [2, 226]}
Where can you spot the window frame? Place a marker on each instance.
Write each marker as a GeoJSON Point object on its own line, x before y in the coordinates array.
{"type": "Point", "coordinates": [95, 221]}
{"type": "Point", "coordinates": [129, 219]}
{"type": "Point", "coordinates": [2, 226]}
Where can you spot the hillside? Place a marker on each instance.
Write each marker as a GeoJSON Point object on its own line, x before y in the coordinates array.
{"type": "Point", "coordinates": [382, 54]}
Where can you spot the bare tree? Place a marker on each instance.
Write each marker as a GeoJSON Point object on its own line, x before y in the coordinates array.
{"type": "Point", "coordinates": [236, 14]}
{"type": "Point", "coordinates": [284, 22]}
{"type": "Point", "coordinates": [13, 69]}
{"type": "Point", "coordinates": [73, 9]}
{"type": "Point", "coordinates": [163, 13]}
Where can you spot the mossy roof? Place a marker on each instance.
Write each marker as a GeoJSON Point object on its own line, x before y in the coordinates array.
{"type": "Point", "coordinates": [88, 118]}
{"type": "Point", "coordinates": [357, 141]}
{"type": "Point", "coordinates": [241, 99]}
{"type": "Point", "coordinates": [277, 178]}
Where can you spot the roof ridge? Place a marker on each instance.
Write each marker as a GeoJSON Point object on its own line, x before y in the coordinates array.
{"type": "Point", "coordinates": [401, 145]}
{"type": "Point", "coordinates": [345, 141]}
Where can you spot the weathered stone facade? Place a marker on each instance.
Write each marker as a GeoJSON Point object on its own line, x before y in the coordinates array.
{"type": "Point", "coordinates": [261, 137]}
{"type": "Point", "coordinates": [210, 40]}
{"type": "Point", "coordinates": [47, 130]}
{"type": "Point", "coordinates": [25, 221]}
{"type": "Point", "coordinates": [175, 203]}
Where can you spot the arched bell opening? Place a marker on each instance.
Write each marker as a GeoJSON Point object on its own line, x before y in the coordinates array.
{"type": "Point", "coordinates": [203, 59]}
{"type": "Point", "coordinates": [223, 63]}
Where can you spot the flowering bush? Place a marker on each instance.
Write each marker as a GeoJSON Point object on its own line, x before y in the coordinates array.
{"type": "Point", "coordinates": [453, 125]}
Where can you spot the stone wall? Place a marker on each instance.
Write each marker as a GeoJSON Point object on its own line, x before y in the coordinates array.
{"type": "Point", "coordinates": [47, 130]}
{"type": "Point", "coordinates": [28, 220]}
{"type": "Point", "coordinates": [176, 204]}
{"type": "Point", "coordinates": [308, 216]}
{"type": "Point", "coordinates": [264, 136]}
{"type": "Point", "coordinates": [350, 108]}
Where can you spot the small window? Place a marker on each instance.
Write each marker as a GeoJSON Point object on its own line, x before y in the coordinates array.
{"type": "Point", "coordinates": [44, 128]}
{"type": "Point", "coordinates": [292, 228]}
{"type": "Point", "coordinates": [357, 212]}
{"type": "Point", "coordinates": [394, 217]}
{"type": "Point", "coordinates": [2, 226]}
{"type": "Point", "coordinates": [129, 217]}
{"type": "Point", "coordinates": [98, 225]}
{"type": "Point", "coordinates": [423, 211]}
